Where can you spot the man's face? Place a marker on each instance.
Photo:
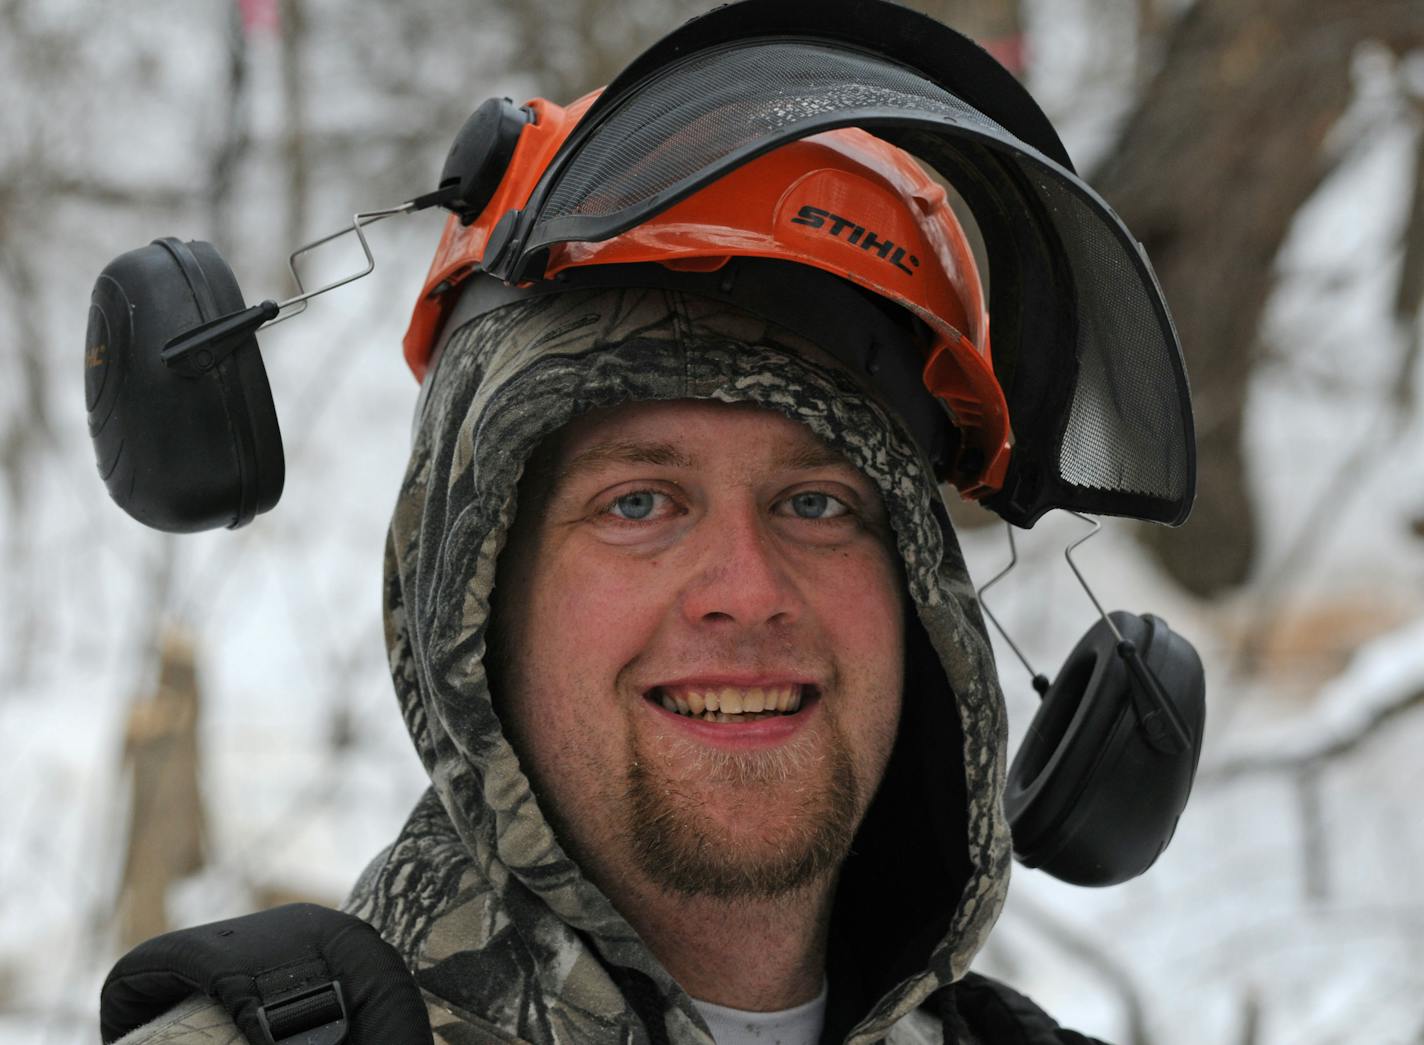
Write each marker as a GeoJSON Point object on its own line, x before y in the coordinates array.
{"type": "Point", "coordinates": [682, 557]}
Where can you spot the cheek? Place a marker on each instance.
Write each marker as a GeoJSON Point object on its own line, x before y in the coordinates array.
{"type": "Point", "coordinates": [589, 616]}
{"type": "Point", "coordinates": [576, 628]}
{"type": "Point", "coordinates": [864, 613]}
{"type": "Point", "coordinates": [865, 595]}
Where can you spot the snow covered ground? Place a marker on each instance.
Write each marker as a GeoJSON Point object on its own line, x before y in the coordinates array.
{"type": "Point", "coordinates": [1248, 917]}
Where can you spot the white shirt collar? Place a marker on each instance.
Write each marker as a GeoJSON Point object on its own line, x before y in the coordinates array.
{"type": "Point", "coordinates": [798, 1026]}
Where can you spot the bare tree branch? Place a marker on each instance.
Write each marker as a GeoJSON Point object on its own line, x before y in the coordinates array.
{"type": "Point", "coordinates": [1328, 750]}
{"type": "Point", "coordinates": [1409, 294]}
{"type": "Point", "coordinates": [1314, 838]}
{"type": "Point", "coordinates": [23, 437]}
{"type": "Point", "coordinates": [234, 140]}
{"type": "Point", "coordinates": [1250, 1017]}
{"type": "Point", "coordinates": [294, 29]}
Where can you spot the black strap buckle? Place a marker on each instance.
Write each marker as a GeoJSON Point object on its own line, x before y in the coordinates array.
{"type": "Point", "coordinates": [312, 1016]}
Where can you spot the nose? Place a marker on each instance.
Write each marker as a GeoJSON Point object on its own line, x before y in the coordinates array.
{"type": "Point", "coordinates": [743, 577]}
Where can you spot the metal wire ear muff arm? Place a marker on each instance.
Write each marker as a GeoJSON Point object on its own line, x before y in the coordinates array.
{"type": "Point", "coordinates": [194, 352]}
{"type": "Point", "coordinates": [357, 221]}
{"type": "Point", "coordinates": [477, 160]}
{"type": "Point", "coordinates": [1040, 682]}
{"type": "Point", "coordinates": [1159, 717]}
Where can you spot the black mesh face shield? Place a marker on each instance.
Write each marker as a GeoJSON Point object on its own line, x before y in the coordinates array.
{"type": "Point", "coordinates": [1083, 345]}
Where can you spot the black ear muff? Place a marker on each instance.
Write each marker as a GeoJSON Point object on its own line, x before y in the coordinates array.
{"type": "Point", "coordinates": [1104, 772]}
{"type": "Point", "coordinates": [180, 410]}
{"type": "Point", "coordinates": [480, 155]}
{"type": "Point", "coordinates": [180, 448]}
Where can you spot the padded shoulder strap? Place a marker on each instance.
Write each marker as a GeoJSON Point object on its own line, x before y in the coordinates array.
{"type": "Point", "coordinates": [299, 973]}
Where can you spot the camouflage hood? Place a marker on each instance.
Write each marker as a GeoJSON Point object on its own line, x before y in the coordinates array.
{"type": "Point", "coordinates": [508, 938]}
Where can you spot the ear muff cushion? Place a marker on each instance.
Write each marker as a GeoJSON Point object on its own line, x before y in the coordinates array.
{"type": "Point", "coordinates": [178, 454]}
{"type": "Point", "coordinates": [1067, 734]}
{"type": "Point", "coordinates": [1089, 799]}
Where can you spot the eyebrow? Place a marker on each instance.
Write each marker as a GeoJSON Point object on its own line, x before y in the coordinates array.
{"type": "Point", "coordinates": [621, 451]}
{"type": "Point", "coordinates": [811, 456]}
{"type": "Point", "coordinates": [805, 457]}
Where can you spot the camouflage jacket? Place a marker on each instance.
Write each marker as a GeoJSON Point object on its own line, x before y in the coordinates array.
{"type": "Point", "coordinates": [507, 938]}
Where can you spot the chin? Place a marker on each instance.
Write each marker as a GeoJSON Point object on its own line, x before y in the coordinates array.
{"type": "Point", "coordinates": [737, 845]}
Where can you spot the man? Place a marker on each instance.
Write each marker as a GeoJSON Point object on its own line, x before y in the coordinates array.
{"type": "Point", "coordinates": [713, 610]}
{"type": "Point", "coordinates": [682, 632]}
{"type": "Point", "coordinates": [708, 773]}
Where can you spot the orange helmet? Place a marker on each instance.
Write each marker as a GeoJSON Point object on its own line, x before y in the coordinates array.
{"type": "Point", "coordinates": [731, 139]}
{"type": "Point", "coordinates": [841, 201]}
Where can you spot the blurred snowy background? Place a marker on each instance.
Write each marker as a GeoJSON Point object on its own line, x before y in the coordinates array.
{"type": "Point", "coordinates": [193, 728]}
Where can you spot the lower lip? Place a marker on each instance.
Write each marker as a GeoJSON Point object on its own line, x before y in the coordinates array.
{"type": "Point", "coordinates": [740, 736]}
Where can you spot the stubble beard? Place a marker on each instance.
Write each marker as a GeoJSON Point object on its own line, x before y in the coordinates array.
{"type": "Point", "coordinates": [679, 851]}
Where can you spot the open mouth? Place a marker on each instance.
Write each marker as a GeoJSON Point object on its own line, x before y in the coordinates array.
{"type": "Point", "coordinates": [733, 703]}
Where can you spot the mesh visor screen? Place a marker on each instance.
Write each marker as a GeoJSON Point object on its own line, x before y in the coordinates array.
{"type": "Point", "coordinates": [1126, 420]}
{"type": "Point", "coordinates": [1126, 432]}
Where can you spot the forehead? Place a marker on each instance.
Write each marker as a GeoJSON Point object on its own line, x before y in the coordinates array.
{"type": "Point", "coordinates": [689, 433]}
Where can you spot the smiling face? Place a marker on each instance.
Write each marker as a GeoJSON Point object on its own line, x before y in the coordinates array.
{"type": "Point", "coordinates": [700, 647]}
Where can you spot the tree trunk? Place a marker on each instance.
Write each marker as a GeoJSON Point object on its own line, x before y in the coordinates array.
{"type": "Point", "coordinates": [1223, 149]}
{"type": "Point", "coordinates": [996, 24]}
{"type": "Point", "coordinates": [166, 823]}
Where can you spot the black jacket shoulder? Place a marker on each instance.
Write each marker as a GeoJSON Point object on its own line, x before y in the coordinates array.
{"type": "Point", "coordinates": [996, 1014]}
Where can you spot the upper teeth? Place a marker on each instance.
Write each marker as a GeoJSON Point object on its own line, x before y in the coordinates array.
{"type": "Point", "coordinates": [730, 700]}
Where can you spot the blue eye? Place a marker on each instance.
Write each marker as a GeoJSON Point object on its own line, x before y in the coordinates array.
{"type": "Point", "coordinates": [814, 505]}
{"type": "Point", "coordinates": [634, 506]}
